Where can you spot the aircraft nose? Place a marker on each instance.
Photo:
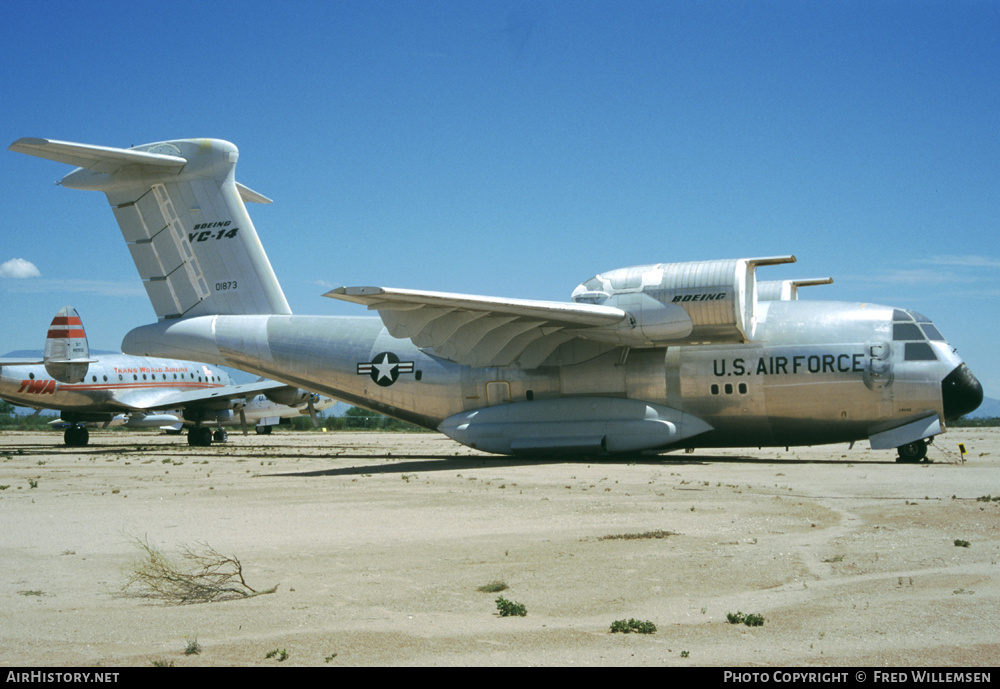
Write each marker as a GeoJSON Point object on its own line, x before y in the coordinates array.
{"type": "Point", "coordinates": [961, 393]}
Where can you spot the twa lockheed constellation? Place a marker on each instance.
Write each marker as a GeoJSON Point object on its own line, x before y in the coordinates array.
{"type": "Point", "coordinates": [643, 359]}
{"type": "Point", "coordinates": [141, 392]}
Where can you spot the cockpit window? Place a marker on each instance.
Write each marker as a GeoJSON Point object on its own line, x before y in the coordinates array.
{"type": "Point", "coordinates": [915, 337]}
{"type": "Point", "coordinates": [906, 331]}
{"type": "Point", "coordinates": [932, 332]}
{"type": "Point", "coordinates": [919, 351]}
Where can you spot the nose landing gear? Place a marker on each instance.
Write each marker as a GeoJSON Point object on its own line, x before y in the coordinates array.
{"type": "Point", "coordinates": [912, 453]}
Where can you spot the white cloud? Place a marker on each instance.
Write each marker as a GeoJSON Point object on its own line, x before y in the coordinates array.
{"type": "Point", "coordinates": [901, 276]}
{"type": "Point", "coordinates": [968, 261]}
{"type": "Point", "coordinates": [19, 268]}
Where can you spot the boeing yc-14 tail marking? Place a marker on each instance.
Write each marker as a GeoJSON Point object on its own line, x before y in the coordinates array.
{"type": "Point", "coordinates": [649, 358]}
{"type": "Point", "coordinates": [141, 392]}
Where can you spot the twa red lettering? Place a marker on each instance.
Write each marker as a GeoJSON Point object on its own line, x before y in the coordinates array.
{"type": "Point", "coordinates": [38, 387]}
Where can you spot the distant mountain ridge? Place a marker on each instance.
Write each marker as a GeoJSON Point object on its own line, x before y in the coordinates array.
{"type": "Point", "coordinates": [31, 353]}
{"type": "Point", "coordinates": [989, 409]}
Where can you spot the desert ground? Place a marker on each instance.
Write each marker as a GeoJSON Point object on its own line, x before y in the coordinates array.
{"type": "Point", "coordinates": [378, 543]}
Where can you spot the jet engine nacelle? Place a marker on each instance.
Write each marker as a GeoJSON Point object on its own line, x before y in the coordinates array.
{"type": "Point", "coordinates": [290, 397]}
{"type": "Point", "coordinates": [679, 303]}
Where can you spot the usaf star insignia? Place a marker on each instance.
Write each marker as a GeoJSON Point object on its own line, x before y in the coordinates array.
{"type": "Point", "coordinates": [385, 368]}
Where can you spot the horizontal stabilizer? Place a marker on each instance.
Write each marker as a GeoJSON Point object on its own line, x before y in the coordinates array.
{"type": "Point", "coordinates": [96, 158]}
{"type": "Point", "coordinates": [183, 217]}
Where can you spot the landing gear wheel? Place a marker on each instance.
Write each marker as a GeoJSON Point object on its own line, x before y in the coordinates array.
{"type": "Point", "coordinates": [911, 453]}
{"type": "Point", "coordinates": [76, 436]}
{"type": "Point", "coordinates": [220, 436]}
{"type": "Point", "coordinates": [200, 436]}
{"type": "Point", "coordinates": [263, 430]}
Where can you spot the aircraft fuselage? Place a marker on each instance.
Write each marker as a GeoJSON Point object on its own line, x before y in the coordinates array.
{"type": "Point", "coordinates": [815, 372]}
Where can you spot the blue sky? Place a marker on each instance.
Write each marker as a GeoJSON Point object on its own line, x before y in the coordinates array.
{"type": "Point", "coordinates": [516, 148]}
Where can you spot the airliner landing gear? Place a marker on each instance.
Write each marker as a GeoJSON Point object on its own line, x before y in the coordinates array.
{"type": "Point", "coordinates": [76, 436]}
{"type": "Point", "coordinates": [912, 452]}
{"type": "Point", "coordinates": [200, 436]}
{"type": "Point", "coordinates": [220, 436]}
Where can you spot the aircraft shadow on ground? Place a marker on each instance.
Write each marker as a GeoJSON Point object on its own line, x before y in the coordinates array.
{"type": "Point", "coordinates": [410, 462]}
{"type": "Point", "coordinates": [429, 463]}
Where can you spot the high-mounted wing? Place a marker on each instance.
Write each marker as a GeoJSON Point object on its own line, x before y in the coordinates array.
{"type": "Point", "coordinates": [642, 306]}
{"type": "Point", "coordinates": [477, 330]}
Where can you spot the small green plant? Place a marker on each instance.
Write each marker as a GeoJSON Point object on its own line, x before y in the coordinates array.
{"type": "Point", "coordinates": [632, 626]}
{"type": "Point", "coordinates": [278, 654]}
{"type": "Point", "coordinates": [495, 586]}
{"type": "Point", "coordinates": [962, 544]}
{"type": "Point", "coordinates": [509, 608]}
{"type": "Point", "coordinates": [750, 620]}
{"type": "Point", "coordinates": [163, 663]}
{"type": "Point", "coordinates": [685, 654]}
{"type": "Point", "coordinates": [32, 483]}
{"type": "Point", "coordinates": [193, 648]}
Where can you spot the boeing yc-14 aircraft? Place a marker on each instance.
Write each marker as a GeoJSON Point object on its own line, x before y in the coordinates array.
{"type": "Point", "coordinates": [643, 359]}
{"type": "Point", "coordinates": [142, 392]}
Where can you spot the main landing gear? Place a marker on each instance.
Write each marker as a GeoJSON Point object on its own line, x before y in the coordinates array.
{"type": "Point", "coordinates": [914, 452]}
{"type": "Point", "coordinates": [76, 436]}
{"type": "Point", "coordinates": [203, 436]}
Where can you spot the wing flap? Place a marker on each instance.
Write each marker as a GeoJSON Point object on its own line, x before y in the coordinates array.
{"type": "Point", "coordinates": [477, 330]}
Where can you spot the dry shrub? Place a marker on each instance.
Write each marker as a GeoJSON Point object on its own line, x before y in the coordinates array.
{"type": "Point", "coordinates": [202, 576]}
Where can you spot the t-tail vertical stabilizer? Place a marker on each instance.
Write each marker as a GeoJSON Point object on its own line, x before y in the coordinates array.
{"type": "Point", "coordinates": [183, 216]}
